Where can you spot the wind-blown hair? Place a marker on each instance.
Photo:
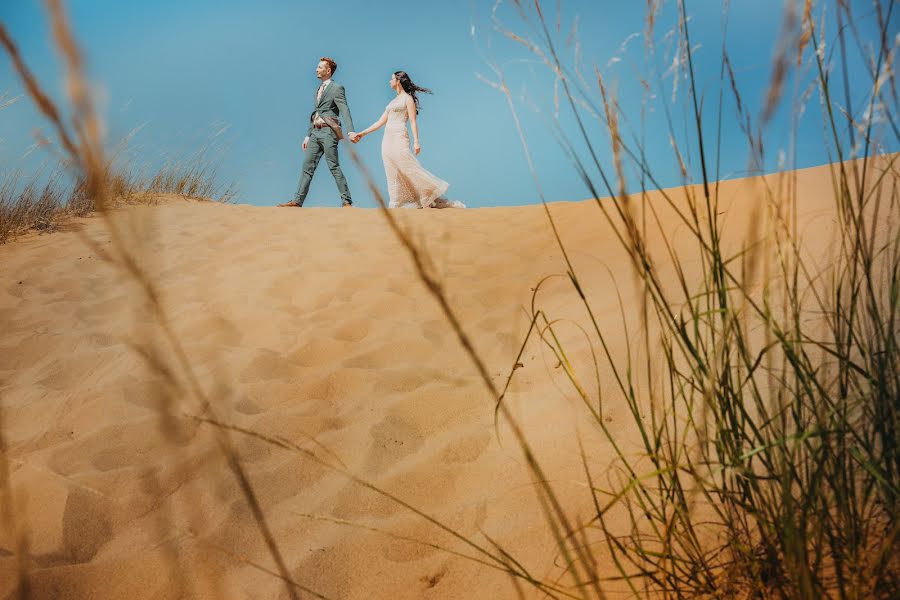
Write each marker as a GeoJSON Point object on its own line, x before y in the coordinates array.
{"type": "Point", "coordinates": [410, 88]}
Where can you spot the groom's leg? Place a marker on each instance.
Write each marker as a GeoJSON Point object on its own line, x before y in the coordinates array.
{"type": "Point", "coordinates": [330, 144]}
{"type": "Point", "coordinates": [314, 152]}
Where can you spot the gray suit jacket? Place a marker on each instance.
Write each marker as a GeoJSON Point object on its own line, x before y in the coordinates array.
{"type": "Point", "coordinates": [332, 106]}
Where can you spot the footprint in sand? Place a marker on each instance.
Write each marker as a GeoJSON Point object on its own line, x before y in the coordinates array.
{"type": "Point", "coordinates": [151, 394]}
{"type": "Point", "coordinates": [119, 456]}
{"type": "Point", "coordinates": [353, 502]}
{"type": "Point", "coordinates": [392, 439]}
{"type": "Point", "coordinates": [373, 359]}
{"type": "Point", "coordinates": [347, 289]}
{"type": "Point", "coordinates": [341, 386]}
{"type": "Point", "coordinates": [213, 329]}
{"type": "Point", "coordinates": [352, 330]}
{"type": "Point", "coordinates": [58, 285]}
{"type": "Point", "coordinates": [85, 529]}
{"type": "Point", "coordinates": [405, 551]}
{"type": "Point", "coordinates": [399, 286]}
{"type": "Point", "coordinates": [399, 380]}
{"type": "Point", "coordinates": [436, 331]}
{"type": "Point", "coordinates": [8, 318]}
{"type": "Point", "coordinates": [250, 449]}
{"type": "Point", "coordinates": [328, 570]}
{"type": "Point", "coordinates": [388, 304]}
{"type": "Point", "coordinates": [489, 298]}
{"type": "Point", "coordinates": [318, 352]}
{"type": "Point", "coordinates": [385, 356]}
{"type": "Point", "coordinates": [24, 354]}
{"type": "Point", "coordinates": [246, 406]}
{"type": "Point", "coordinates": [466, 449]}
{"type": "Point", "coordinates": [267, 365]}
{"type": "Point", "coordinates": [67, 374]}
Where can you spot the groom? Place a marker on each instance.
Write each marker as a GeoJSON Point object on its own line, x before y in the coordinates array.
{"type": "Point", "coordinates": [324, 133]}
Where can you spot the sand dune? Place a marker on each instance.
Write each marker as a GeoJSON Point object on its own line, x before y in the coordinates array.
{"type": "Point", "coordinates": [310, 325]}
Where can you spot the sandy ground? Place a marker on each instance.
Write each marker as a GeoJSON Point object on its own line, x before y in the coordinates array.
{"type": "Point", "coordinates": [310, 325]}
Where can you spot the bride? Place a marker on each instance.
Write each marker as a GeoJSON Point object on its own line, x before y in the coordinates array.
{"type": "Point", "coordinates": [409, 185]}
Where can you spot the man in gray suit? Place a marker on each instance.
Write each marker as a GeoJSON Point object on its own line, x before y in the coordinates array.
{"type": "Point", "coordinates": [324, 133]}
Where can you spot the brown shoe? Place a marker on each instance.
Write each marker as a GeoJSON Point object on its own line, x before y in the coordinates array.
{"type": "Point", "coordinates": [297, 204]}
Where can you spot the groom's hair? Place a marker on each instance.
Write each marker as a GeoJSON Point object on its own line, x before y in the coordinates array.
{"type": "Point", "coordinates": [330, 63]}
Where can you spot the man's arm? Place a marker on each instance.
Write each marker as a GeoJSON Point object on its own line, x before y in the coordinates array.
{"type": "Point", "coordinates": [310, 130]}
{"type": "Point", "coordinates": [340, 99]}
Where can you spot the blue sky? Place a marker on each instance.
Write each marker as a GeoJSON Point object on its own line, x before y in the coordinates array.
{"type": "Point", "coordinates": [237, 78]}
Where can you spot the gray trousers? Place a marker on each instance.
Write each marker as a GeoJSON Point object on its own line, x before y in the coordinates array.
{"type": "Point", "coordinates": [322, 141]}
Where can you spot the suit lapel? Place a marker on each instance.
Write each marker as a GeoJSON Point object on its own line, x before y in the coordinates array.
{"type": "Point", "coordinates": [326, 94]}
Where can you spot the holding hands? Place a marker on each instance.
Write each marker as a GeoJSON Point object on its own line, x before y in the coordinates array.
{"type": "Point", "coordinates": [355, 137]}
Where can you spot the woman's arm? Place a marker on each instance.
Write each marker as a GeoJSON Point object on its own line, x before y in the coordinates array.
{"type": "Point", "coordinates": [411, 111]}
{"type": "Point", "coordinates": [374, 126]}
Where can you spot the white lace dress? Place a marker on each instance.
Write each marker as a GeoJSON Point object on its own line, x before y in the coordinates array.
{"type": "Point", "coordinates": [409, 185]}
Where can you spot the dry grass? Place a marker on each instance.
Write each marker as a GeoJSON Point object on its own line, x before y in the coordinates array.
{"type": "Point", "coordinates": [768, 418]}
{"type": "Point", "coordinates": [34, 207]}
{"type": "Point", "coordinates": [45, 207]}
{"type": "Point", "coordinates": [99, 184]}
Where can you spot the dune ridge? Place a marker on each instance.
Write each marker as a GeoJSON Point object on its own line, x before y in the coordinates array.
{"type": "Point", "coordinates": [311, 325]}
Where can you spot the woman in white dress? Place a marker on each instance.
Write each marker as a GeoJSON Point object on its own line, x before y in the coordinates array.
{"type": "Point", "coordinates": [409, 185]}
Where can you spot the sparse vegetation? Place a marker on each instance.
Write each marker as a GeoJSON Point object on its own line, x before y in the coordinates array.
{"type": "Point", "coordinates": [764, 390]}
{"type": "Point", "coordinates": [44, 207]}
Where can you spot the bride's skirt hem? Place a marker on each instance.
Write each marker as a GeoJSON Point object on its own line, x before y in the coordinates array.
{"type": "Point", "coordinates": [440, 191]}
{"type": "Point", "coordinates": [425, 202]}
{"type": "Point", "coordinates": [445, 203]}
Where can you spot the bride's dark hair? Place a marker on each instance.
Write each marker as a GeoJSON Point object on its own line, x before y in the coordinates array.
{"type": "Point", "coordinates": [409, 87]}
